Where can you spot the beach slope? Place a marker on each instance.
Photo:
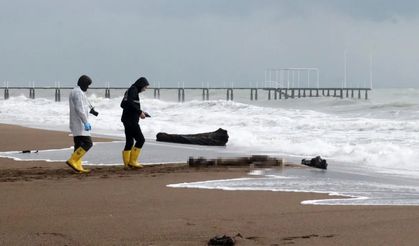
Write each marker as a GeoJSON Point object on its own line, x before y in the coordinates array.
{"type": "Point", "coordinates": [46, 204]}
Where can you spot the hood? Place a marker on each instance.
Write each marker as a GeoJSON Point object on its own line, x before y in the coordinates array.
{"type": "Point", "coordinates": [140, 83]}
{"type": "Point", "coordinates": [84, 82]}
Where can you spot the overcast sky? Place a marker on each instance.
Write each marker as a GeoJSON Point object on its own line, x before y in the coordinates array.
{"type": "Point", "coordinates": [207, 41]}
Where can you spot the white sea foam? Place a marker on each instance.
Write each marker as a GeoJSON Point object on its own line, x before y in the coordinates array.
{"type": "Point", "coordinates": [353, 189]}
{"type": "Point", "coordinates": [375, 138]}
{"type": "Point", "coordinates": [380, 133]}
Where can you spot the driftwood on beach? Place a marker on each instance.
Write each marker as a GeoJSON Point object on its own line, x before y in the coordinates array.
{"type": "Point", "coordinates": [216, 138]}
{"type": "Point", "coordinates": [255, 160]}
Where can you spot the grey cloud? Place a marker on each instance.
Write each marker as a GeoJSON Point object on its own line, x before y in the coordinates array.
{"type": "Point", "coordinates": [205, 41]}
{"type": "Point", "coordinates": [375, 10]}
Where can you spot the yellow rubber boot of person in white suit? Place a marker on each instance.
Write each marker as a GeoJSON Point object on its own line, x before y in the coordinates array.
{"type": "Point", "coordinates": [75, 161]}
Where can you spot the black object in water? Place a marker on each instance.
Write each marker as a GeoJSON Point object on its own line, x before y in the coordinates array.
{"type": "Point", "coordinates": [29, 151]}
{"type": "Point", "coordinates": [316, 162]}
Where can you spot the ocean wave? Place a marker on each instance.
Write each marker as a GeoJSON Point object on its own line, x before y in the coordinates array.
{"type": "Point", "coordinates": [344, 130]}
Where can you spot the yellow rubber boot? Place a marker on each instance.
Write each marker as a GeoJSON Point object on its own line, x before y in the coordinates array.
{"type": "Point", "coordinates": [80, 165]}
{"type": "Point", "coordinates": [75, 161]}
{"type": "Point", "coordinates": [135, 153]}
{"type": "Point", "coordinates": [126, 155]}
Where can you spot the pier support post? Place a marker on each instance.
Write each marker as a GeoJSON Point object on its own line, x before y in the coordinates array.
{"type": "Point", "coordinates": [280, 93]}
{"type": "Point", "coordinates": [6, 93]}
{"type": "Point", "coordinates": [328, 92]}
{"type": "Point", "coordinates": [156, 93]}
{"type": "Point", "coordinates": [253, 94]}
{"type": "Point", "coordinates": [304, 92]}
{"type": "Point", "coordinates": [286, 93]}
{"type": "Point", "coordinates": [299, 93]}
{"type": "Point", "coordinates": [205, 94]}
{"type": "Point", "coordinates": [230, 95]}
{"type": "Point", "coordinates": [352, 93]}
{"type": "Point", "coordinates": [359, 94]}
{"type": "Point", "coordinates": [269, 94]}
{"type": "Point", "coordinates": [366, 94]}
{"type": "Point", "coordinates": [317, 92]}
{"type": "Point", "coordinates": [341, 93]}
{"type": "Point", "coordinates": [311, 93]}
{"type": "Point", "coordinates": [57, 95]}
{"type": "Point", "coordinates": [181, 95]}
{"type": "Point", "coordinates": [32, 93]}
{"type": "Point", "coordinates": [107, 93]}
{"type": "Point", "coordinates": [292, 93]}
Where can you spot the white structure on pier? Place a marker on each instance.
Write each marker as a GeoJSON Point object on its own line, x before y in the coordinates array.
{"type": "Point", "coordinates": [291, 77]}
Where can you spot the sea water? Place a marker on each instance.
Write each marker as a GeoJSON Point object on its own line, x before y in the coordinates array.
{"type": "Point", "coordinates": [378, 136]}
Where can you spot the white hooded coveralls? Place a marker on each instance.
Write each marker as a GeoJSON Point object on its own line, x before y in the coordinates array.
{"type": "Point", "coordinates": [79, 112]}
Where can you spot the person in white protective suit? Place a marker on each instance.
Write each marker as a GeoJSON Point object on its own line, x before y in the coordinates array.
{"type": "Point", "coordinates": [79, 123]}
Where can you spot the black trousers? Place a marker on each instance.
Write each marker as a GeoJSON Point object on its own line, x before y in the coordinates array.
{"type": "Point", "coordinates": [82, 141]}
{"type": "Point", "coordinates": [133, 131]}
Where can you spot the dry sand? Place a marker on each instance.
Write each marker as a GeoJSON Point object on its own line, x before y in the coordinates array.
{"type": "Point", "coordinates": [46, 204]}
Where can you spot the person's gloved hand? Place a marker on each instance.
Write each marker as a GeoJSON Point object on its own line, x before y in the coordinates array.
{"type": "Point", "coordinates": [87, 126]}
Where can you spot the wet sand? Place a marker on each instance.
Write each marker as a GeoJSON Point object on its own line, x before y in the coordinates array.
{"type": "Point", "coordinates": [46, 204]}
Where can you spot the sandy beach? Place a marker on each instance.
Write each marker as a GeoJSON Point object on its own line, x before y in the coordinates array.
{"type": "Point", "coordinates": [46, 204]}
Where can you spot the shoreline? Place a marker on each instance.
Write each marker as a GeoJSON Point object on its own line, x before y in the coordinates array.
{"type": "Point", "coordinates": [45, 203]}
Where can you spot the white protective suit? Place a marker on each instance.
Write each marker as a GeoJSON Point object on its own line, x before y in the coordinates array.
{"type": "Point", "coordinates": [79, 112]}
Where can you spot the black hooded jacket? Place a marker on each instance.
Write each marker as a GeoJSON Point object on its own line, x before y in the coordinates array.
{"type": "Point", "coordinates": [131, 101]}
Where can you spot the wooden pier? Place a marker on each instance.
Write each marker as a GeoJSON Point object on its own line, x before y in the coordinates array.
{"type": "Point", "coordinates": [272, 93]}
{"type": "Point", "coordinates": [287, 93]}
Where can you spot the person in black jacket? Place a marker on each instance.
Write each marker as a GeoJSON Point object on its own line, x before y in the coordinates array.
{"type": "Point", "coordinates": [131, 115]}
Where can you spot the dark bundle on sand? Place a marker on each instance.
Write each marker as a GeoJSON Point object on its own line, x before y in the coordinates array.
{"type": "Point", "coordinates": [256, 160]}
{"type": "Point", "coordinates": [217, 138]}
{"type": "Point", "coordinates": [316, 162]}
{"type": "Point", "coordinates": [221, 241]}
